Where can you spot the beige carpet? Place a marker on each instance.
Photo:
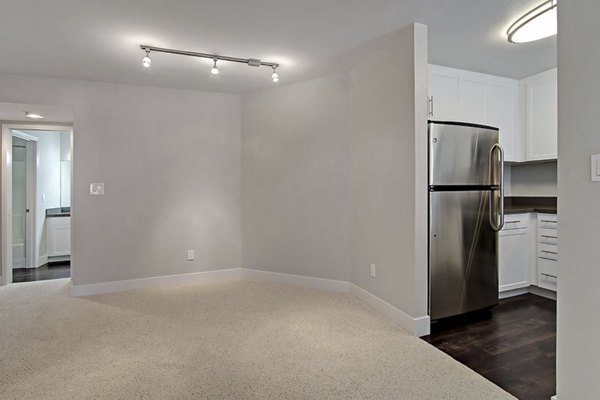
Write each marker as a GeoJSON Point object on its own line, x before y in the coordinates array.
{"type": "Point", "coordinates": [232, 340]}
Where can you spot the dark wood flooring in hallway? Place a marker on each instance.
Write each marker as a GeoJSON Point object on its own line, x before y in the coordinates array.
{"type": "Point", "coordinates": [43, 273]}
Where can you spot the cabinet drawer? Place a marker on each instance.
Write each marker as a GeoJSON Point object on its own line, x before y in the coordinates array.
{"type": "Point", "coordinates": [548, 236]}
{"type": "Point", "coordinates": [546, 221]}
{"type": "Point", "coordinates": [548, 251]}
{"type": "Point", "coordinates": [547, 281]}
{"type": "Point", "coordinates": [516, 222]}
{"type": "Point", "coordinates": [547, 267]}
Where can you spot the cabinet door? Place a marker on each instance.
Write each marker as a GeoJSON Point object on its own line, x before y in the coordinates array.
{"type": "Point", "coordinates": [514, 259]}
{"type": "Point", "coordinates": [471, 95]}
{"type": "Point", "coordinates": [501, 113]}
{"type": "Point", "coordinates": [542, 120]}
{"type": "Point", "coordinates": [59, 236]}
{"type": "Point", "coordinates": [443, 93]}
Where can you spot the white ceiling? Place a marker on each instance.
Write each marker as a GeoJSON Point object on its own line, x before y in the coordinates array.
{"type": "Point", "coordinates": [99, 39]}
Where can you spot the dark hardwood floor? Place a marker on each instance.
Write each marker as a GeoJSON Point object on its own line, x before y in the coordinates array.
{"type": "Point", "coordinates": [512, 345]}
{"type": "Point", "coordinates": [46, 272]}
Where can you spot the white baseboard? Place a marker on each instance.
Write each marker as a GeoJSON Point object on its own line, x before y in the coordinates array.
{"type": "Point", "coordinates": [513, 292]}
{"type": "Point", "coordinates": [42, 260]}
{"type": "Point", "coordinates": [296, 280]}
{"type": "Point", "coordinates": [553, 397]}
{"type": "Point", "coordinates": [549, 294]}
{"type": "Point", "coordinates": [155, 282]}
{"type": "Point", "coordinates": [416, 326]}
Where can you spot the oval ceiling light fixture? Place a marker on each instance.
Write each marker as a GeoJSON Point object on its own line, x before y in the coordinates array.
{"type": "Point", "coordinates": [539, 23]}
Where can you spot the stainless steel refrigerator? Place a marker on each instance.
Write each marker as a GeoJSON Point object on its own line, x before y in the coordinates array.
{"type": "Point", "coordinates": [466, 210]}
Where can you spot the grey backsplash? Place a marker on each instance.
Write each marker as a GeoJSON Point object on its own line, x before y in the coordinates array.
{"type": "Point", "coordinates": [538, 179]}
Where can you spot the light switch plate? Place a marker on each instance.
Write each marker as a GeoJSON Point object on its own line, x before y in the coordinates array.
{"type": "Point", "coordinates": [96, 189]}
{"type": "Point", "coordinates": [596, 167]}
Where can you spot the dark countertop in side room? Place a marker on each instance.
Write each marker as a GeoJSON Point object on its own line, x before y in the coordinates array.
{"type": "Point", "coordinates": [58, 212]}
{"type": "Point", "coordinates": [517, 205]}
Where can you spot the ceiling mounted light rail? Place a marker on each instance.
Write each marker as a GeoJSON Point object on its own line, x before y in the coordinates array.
{"type": "Point", "coordinates": [539, 23]}
{"type": "Point", "coordinates": [251, 62]}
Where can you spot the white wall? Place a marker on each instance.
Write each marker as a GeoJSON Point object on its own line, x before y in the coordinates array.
{"type": "Point", "coordinates": [331, 180]}
{"type": "Point", "coordinates": [578, 352]}
{"type": "Point", "coordinates": [170, 161]}
{"type": "Point", "coordinates": [389, 180]}
{"type": "Point", "coordinates": [534, 179]}
{"type": "Point", "coordinates": [296, 177]}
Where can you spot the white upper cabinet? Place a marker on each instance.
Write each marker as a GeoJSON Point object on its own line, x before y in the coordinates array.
{"type": "Point", "coordinates": [458, 95]}
{"type": "Point", "coordinates": [502, 111]}
{"type": "Point", "coordinates": [443, 94]}
{"type": "Point", "coordinates": [471, 100]}
{"type": "Point", "coordinates": [541, 107]}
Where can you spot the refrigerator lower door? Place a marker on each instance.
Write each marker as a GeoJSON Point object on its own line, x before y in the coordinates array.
{"type": "Point", "coordinates": [463, 258]}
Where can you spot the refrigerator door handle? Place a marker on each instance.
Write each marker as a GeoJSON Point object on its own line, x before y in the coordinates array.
{"type": "Point", "coordinates": [497, 211]}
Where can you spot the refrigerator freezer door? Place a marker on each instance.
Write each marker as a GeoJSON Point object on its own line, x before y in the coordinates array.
{"type": "Point", "coordinates": [463, 254]}
{"type": "Point", "coordinates": [460, 154]}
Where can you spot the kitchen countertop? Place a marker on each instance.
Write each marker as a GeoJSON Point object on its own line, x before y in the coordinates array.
{"type": "Point", "coordinates": [58, 212]}
{"type": "Point", "coordinates": [519, 205]}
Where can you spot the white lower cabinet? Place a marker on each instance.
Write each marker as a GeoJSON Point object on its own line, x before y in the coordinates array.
{"type": "Point", "coordinates": [58, 236]}
{"type": "Point", "coordinates": [528, 252]}
{"type": "Point", "coordinates": [514, 253]}
{"type": "Point", "coordinates": [547, 254]}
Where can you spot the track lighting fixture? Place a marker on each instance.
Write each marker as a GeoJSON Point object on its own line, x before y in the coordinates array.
{"type": "Point", "coordinates": [215, 69]}
{"type": "Point", "coordinates": [147, 61]}
{"type": "Point", "coordinates": [251, 62]}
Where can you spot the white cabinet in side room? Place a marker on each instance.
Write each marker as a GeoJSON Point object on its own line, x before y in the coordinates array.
{"type": "Point", "coordinates": [58, 236]}
{"type": "Point", "coordinates": [443, 93]}
{"type": "Point", "coordinates": [547, 254]}
{"type": "Point", "coordinates": [514, 253]}
{"type": "Point", "coordinates": [541, 107]}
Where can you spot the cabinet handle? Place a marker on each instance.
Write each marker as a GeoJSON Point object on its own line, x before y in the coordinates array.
{"type": "Point", "coordinates": [549, 276]}
{"type": "Point", "coordinates": [549, 259]}
{"type": "Point", "coordinates": [549, 252]}
{"type": "Point", "coordinates": [549, 237]}
{"type": "Point", "coordinates": [548, 221]}
{"type": "Point", "coordinates": [512, 222]}
{"type": "Point", "coordinates": [431, 106]}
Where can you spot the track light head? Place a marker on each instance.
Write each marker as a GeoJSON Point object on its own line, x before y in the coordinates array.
{"type": "Point", "coordinates": [147, 61]}
{"type": "Point", "coordinates": [215, 69]}
{"type": "Point", "coordinates": [275, 75]}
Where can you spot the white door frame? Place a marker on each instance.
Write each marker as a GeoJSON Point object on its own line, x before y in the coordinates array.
{"type": "Point", "coordinates": [31, 177]}
{"type": "Point", "coordinates": [6, 198]}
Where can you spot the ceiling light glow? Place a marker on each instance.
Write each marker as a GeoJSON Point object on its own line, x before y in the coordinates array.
{"type": "Point", "coordinates": [147, 61]}
{"type": "Point", "coordinates": [215, 69]}
{"type": "Point", "coordinates": [33, 115]}
{"type": "Point", "coordinates": [539, 23]}
{"type": "Point", "coordinates": [275, 75]}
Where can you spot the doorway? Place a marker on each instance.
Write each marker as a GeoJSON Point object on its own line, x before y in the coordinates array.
{"type": "Point", "coordinates": [36, 202]}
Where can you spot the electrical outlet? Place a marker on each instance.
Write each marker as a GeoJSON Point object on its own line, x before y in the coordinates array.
{"type": "Point", "coordinates": [190, 255]}
{"type": "Point", "coordinates": [373, 271]}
